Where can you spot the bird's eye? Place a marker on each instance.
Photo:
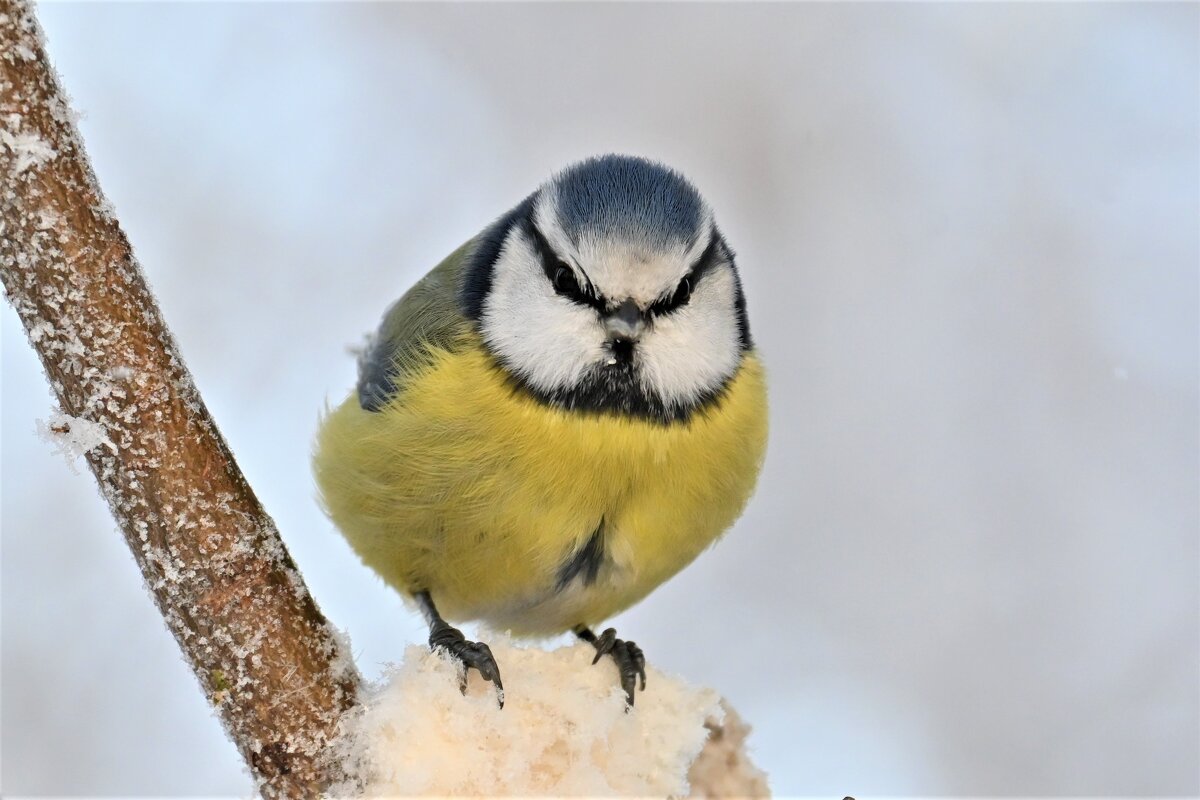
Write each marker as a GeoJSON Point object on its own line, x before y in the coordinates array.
{"type": "Point", "coordinates": [565, 281]}
{"type": "Point", "coordinates": [683, 292]}
{"type": "Point", "coordinates": [668, 304]}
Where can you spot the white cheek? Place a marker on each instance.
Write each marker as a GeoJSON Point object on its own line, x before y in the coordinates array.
{"type": "Point", "coordinates": [546, 339]}
{"type": "Point", "coordinates": [696, 349]}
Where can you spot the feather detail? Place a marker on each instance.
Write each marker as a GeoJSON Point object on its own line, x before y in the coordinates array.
{"type": "Point", "coordinates": [467, 486]}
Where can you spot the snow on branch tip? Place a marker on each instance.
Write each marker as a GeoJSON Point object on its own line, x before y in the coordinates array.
{"type": "Point", "coordinates": [564, 730]}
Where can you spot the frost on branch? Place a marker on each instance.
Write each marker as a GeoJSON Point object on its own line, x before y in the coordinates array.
{"type": "Point", "coordinates": [72, 437]}
{"type": "Point", "coordinates": [25, 149]}
{"type": "Point", "coordinates": [214, 563]}
{"type": "Point", "coordinates": [564, 730]}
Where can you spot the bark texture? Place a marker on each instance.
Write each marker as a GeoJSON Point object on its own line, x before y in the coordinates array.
{"type": "Point", "coordinates": [212, 558]}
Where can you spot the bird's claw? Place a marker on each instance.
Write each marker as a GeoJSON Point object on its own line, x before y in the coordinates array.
{"type": "Point", "coordinates": [604, 644]}
{"type": "Point", "coordinates": [631, 662]}
{"type": "Point", "coordinates": [470, 654]}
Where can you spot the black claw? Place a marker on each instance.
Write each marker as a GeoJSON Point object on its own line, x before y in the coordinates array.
{"type": "Point", "coordinates": [475, 655]}
{"type": "Point", "coordinates": [631, 662]}
{"type": "Point", "coordinates": [639, 661]}
{"type": "Point", "coordinates": [605, 644]}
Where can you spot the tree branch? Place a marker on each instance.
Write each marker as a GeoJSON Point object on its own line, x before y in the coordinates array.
{"type": "Point", "coordinates": [212, 558]}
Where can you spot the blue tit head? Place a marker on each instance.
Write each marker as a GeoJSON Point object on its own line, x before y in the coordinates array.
{"type": "Point", "coordinates": [611, 289]}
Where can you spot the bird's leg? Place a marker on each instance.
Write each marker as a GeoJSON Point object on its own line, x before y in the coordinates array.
{"type": "Point", "coordinates": [631, 663]}
{"type": "Point", "coordinates": [442, 636]}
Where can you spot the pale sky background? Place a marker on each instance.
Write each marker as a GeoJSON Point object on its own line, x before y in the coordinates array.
{"type": "Point", "coordinates": [970, 241]}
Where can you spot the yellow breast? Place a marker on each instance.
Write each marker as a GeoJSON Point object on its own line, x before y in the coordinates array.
{"type": "Point", "coordinates": [468, 487]}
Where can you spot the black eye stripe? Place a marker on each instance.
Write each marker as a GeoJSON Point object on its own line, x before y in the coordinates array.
{"type": "Point", "coordinates": [552, 263]}
{"type": "Point", "coordinates": [553, 266]}
{"type": "Point", "coordinates": [687, 285]}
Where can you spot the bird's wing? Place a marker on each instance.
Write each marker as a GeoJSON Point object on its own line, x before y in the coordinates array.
{"type": "Point", "coordinates": [427, 317]}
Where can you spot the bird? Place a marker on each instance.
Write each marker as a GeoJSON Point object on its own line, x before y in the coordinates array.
{"type": "Point", "coordinates": [559, 417]}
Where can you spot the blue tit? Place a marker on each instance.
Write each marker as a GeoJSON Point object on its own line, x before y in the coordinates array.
{"type": "Point", "coordinates": [557, 418]}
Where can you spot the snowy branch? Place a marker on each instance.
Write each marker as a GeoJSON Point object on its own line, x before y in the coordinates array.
{"type": "Point", "coordinates": [212, 558]}
{"type": "Point", "coordinates": [564, 731]}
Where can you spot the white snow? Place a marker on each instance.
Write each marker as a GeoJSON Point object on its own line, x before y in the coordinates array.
{"type": "Point", "coordinates": [341, 666]}
{"type": "Point", "coordinates": [27, 148]}
{"type": "Point", "coordinates": [73, 436]}
{"type": "Point", "coordinates": [564, 729]}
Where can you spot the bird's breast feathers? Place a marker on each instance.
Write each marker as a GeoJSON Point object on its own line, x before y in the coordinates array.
{"type": "Point", "coordinates": [533, 517]}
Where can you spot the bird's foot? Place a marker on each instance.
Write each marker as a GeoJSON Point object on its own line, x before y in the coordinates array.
{"type": "Point", "coordinates": [470, 654]}
{"type": "Point", "coordinates": [631, 663]}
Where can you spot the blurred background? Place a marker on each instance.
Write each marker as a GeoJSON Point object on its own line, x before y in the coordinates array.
{"type": "Point", "coordinates": [969, 236]}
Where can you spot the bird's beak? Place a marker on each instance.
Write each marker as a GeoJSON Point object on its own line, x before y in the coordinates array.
{"type": "Point", "coordinates": [625, 321]}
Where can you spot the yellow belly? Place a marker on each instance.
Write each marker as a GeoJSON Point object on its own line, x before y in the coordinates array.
{"type": "Point", "coordinates": [478, 493]}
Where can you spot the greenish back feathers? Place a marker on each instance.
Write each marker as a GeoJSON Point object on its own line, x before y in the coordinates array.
{"type": "Point", "coordinates": [426, 317]}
